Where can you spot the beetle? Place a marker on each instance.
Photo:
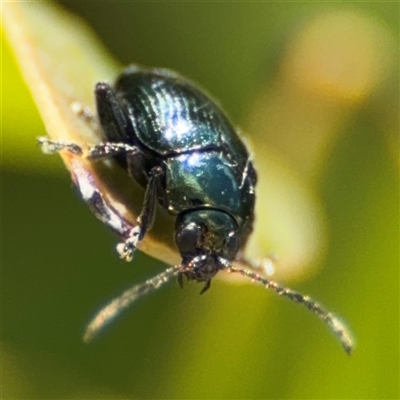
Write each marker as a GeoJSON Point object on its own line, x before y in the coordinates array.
{"type": "Point", "coordinates": [177, 143]}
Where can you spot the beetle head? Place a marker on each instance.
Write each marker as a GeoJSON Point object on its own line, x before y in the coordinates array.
{"type": "Point", "coordinates": [204, 237]}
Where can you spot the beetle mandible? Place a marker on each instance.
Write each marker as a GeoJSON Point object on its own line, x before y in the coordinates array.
{"type": "Point", "coordinates": [178, 144]}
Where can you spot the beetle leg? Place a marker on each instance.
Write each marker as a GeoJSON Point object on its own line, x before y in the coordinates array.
{"type": "Point", "coordinates": [52, 146]}
{"type": "Point", "coordinates": [206, 287]}
{"type": "Point", "coordinates": [180, 279]}
{"type": "Point", "coordinates": [145, 219]}
{"type": "Point", "coordinates": [107, 149]}
{"type": "Point", "coordinates": [111, 114]}
{"type": "Point", "coordinates": [94, 152]}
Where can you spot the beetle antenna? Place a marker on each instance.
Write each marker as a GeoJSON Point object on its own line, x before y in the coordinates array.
{"type": "Point", "coordinates": [123, 301]}
{"type": "Point", "coordinates": [335, 324]}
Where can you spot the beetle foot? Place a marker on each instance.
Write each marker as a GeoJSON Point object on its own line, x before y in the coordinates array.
{"type": "Point", "coordinates": [50, 146]}
{"type": "Point", "coordinates": [127, 248]}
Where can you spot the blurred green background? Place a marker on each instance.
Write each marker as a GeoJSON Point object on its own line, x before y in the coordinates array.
{"type": "Point", "coordinates": [260, 60]}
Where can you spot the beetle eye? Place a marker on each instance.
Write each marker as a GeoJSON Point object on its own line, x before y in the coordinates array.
{"type": "Point", "coordinates": [188, 239]}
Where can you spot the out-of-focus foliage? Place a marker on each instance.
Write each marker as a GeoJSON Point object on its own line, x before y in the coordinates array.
{"type": "Point", "coordinates": [315, 87]}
